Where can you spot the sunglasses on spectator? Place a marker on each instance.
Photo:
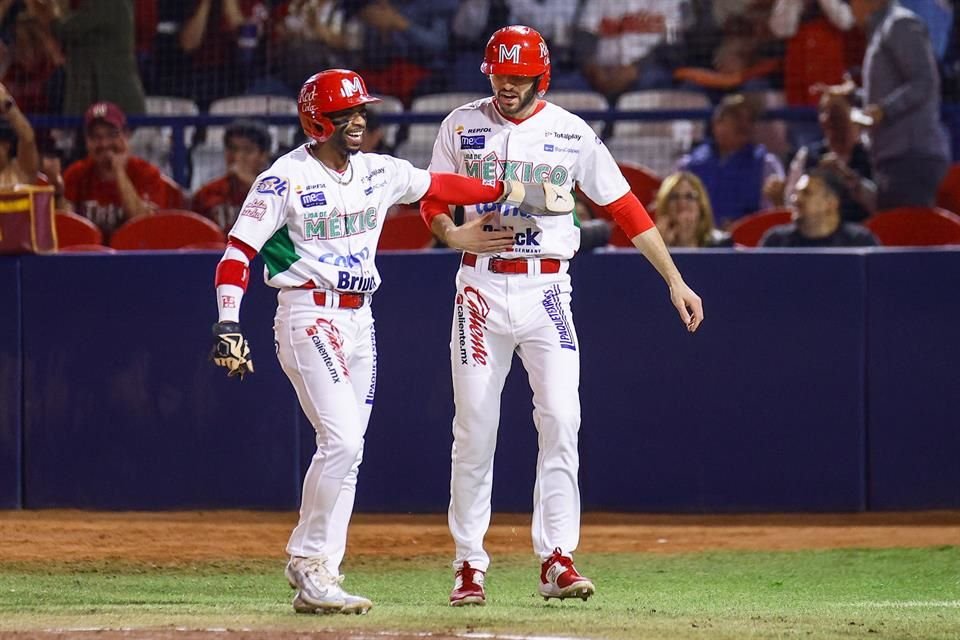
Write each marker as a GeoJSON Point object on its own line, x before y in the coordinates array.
{"type": "Point", "coordinates": [689, 195]}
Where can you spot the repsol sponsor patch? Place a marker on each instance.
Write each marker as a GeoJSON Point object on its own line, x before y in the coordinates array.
{"type": "Point", "coordinates": [473, 142]}
{"type": "Point", "coordinates": [313, 199]}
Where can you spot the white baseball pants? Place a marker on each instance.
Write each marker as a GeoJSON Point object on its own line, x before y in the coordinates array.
{"type": "Point", "coordinates": [496, 315]}
{"type": "Point", "coordinates": [330, 356]}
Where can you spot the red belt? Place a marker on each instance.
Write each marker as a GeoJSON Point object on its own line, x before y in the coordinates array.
{"type": "Point", "coordinates": [344, 300]}
{"type": "Point", "coordinates": [514, 265]}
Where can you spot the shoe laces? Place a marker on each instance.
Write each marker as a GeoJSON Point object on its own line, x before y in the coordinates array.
{"type": "Point", "coordinates": [316, 567]}
{"type": "Point", "coordinates": [468, 573]}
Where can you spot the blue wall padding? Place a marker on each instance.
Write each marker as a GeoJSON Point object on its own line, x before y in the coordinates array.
{"type": "Point", "coordinates": [913, 360]}
{"type": "Point", "coordinates": [819, 382]}
{"type": "Point", "coordinates": [11, 384]}
{"type": "Point", "coordinates": [125, 412]}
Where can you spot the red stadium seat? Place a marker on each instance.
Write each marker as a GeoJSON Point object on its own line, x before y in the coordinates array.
{"type": "Point", "coordinates": [915, 227]}
{"type": "Point", "coordinates": [748, 230]}
{"type": "Point", "coordinates": [948, 195]}
{"type": "Point", "coordinates": [405, 230]}
{"type": "Point", "coordinates": [166, 229]}
{"type": "Point", "coordinates": [75, 230]}
{"type": "Point", "coordinates": [643, 182]}
{"type": "Point", "coordinates": [87, 248]}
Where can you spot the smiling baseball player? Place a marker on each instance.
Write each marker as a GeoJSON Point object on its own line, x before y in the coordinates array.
{"type": "Point", "coordinates": [515, 297]}
{"type": "Point", "coordinates": [315, 216]}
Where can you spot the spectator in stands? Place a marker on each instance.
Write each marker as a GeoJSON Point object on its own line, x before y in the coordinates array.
{"type": "Point", "coordinates": [630, 44]}
{"type": "Point", "coordinates": [739, 175]}
{"type": "Point", "coordinates": [901, 86]}
{"type": "Point", "coordinates": [937, 15]}
{"type": "Point", "coordinates": [554, 19]}
{"type": "Point", "coordinates": [246, 152]}
{"type": "Point", "coordinates": [406, 45]}
{"type": "Point", "coordinates": [32, 66]}
{"type": "Point", "coordinates": [225, 44]}
{"type": "Point", "coordinates": [309, 35]}
{"type": "Point", "coordinates": [51, 166]}
{"type": "Point", "coordinates": [98, 42]}
{"type": "Point", "coordinates": [821, 47]}
{"type": "Point", "coordinates": [818, 223]}
{"type": "Point", "coordinates": [841, 151]}
{"type": "Point", "coordinates": [109, 186]}
{"type": "Point", "coordinates": [684, 215]}
{"type": "Point", "coordinates": [164, 66]}
{"type": "Point", "coordinates": [19, 160]}
{"type": "Point", "coordinates": [734, 48]}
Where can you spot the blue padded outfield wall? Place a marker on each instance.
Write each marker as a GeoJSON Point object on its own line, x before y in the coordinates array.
{"type": "Point", "coordinates": [819, 382]}
{"type": "Point", "coordinates": [11, 389]}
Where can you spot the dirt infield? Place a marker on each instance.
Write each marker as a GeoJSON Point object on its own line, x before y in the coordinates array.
{"type": "Point", "coordinates": [173, 538]}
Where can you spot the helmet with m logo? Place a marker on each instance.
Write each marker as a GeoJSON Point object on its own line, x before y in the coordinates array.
{"type": "Point", "coordinates": [328, 92]}
{"type": "Point", "coordinates": [518, 51]}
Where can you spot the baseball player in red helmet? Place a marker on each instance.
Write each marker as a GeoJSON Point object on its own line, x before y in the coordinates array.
{"type": "Point", "coordinates": [315, 216]}
{"type": "Point", "coordinates": [515, 297]}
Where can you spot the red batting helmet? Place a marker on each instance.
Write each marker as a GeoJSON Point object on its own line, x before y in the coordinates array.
{"type": "Point", "coordinates": [518, 51]}
{"type": "Point", "coordinates": [328, 92]}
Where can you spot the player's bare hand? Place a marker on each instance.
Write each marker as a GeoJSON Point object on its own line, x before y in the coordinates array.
{"type": "Point", "coordinates": [688, 304]}
{"type": "Point", "coordinates": [472, 236]}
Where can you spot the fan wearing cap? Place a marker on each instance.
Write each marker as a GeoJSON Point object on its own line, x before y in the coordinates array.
{"type": "Point", "coordinates": [110, 186]}
{"type": "Point", "coordinates": [315, 216]}
{"type": "Point", "coordinates": [246, 152]}
{"type": "Point", "coordinates": [19, 159]}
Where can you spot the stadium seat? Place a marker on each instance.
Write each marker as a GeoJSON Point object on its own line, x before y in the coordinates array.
{"type": "Point", "coordinates": [154, 143]}
{"type": "Point", "coordinates": [87, 248]}
{"type": "Point", "coordinates": [915, 227]}
{"type": "Point", "coordinates": [405, 230]}
{"type": "Point", "coordinates": [657, 144]}
{"type": "Point", "coordinates": [948, 195]}
{"type": "Point", "coordinates": [418, 145]}
{"type": "Point", "coordinates": [578, 101]}
{"type": "Point", "coordinates": [166, 229]}
{"type": "Point", "coordinates": [643, 182]}
{"type": "Point", "coordinates": [748, 230]}
{"type": "Point", "coordinates": [73, 230]}
{"type": "Point", "coordinates": [388, 104]}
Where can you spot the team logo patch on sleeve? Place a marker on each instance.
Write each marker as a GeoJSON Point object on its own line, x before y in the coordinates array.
{"type": "Point", "coordinates": [255, 208]}
{"type": "Point", "coordinates": [473, 142]}
{"type": "Point", "coordinates": [313, 199]}
{"type": "Point", "coordinates": [272, 185]}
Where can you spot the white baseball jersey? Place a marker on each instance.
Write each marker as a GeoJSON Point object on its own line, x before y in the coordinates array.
{"type": "Point", "coordinates": [551, 145]}
{"type": "Point", "coordinates": [311, 223]}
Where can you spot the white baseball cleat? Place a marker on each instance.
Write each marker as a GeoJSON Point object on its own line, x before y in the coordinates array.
{"type": "Point", "coordinates": [318, 590]}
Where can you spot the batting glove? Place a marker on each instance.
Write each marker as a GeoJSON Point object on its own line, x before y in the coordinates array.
{"type": "Point", "coordinates": [231, 350]}
{"type": "Point", "coordinates": [538, 199]}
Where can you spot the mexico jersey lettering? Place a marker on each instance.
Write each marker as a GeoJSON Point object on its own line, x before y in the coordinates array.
{"type": "Point", "coordinates": [553, 145]}
{"type": "Point", "coordinates": [311, 224]}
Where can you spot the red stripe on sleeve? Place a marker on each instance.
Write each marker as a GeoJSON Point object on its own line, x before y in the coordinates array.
{"type": "Point", "coordinates": [630, 214]}
{"type": "Point", "coordinates": [232, 272]}
{"type": "Point", "coordinates": [247, 250]}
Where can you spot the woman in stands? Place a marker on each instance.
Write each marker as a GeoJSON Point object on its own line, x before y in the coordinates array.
{"type": "Point", "coordinates": [684, 215]}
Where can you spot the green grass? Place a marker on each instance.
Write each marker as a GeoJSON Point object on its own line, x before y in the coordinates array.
{"type": "Point", "coordinates": [896, 593]}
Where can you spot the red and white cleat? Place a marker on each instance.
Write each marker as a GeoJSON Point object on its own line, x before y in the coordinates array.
{"type": "Point", "coordinates": [468, 587]}
{"type": "Point", "coordinates": [560, 579]}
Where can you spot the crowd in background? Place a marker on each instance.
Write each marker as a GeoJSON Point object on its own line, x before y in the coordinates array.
{"type": "Point", "coordinates": [102, 57]}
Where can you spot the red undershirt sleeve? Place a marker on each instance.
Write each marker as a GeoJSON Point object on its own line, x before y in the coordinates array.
{"type": "Point", "coordinates": [630, 214]}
